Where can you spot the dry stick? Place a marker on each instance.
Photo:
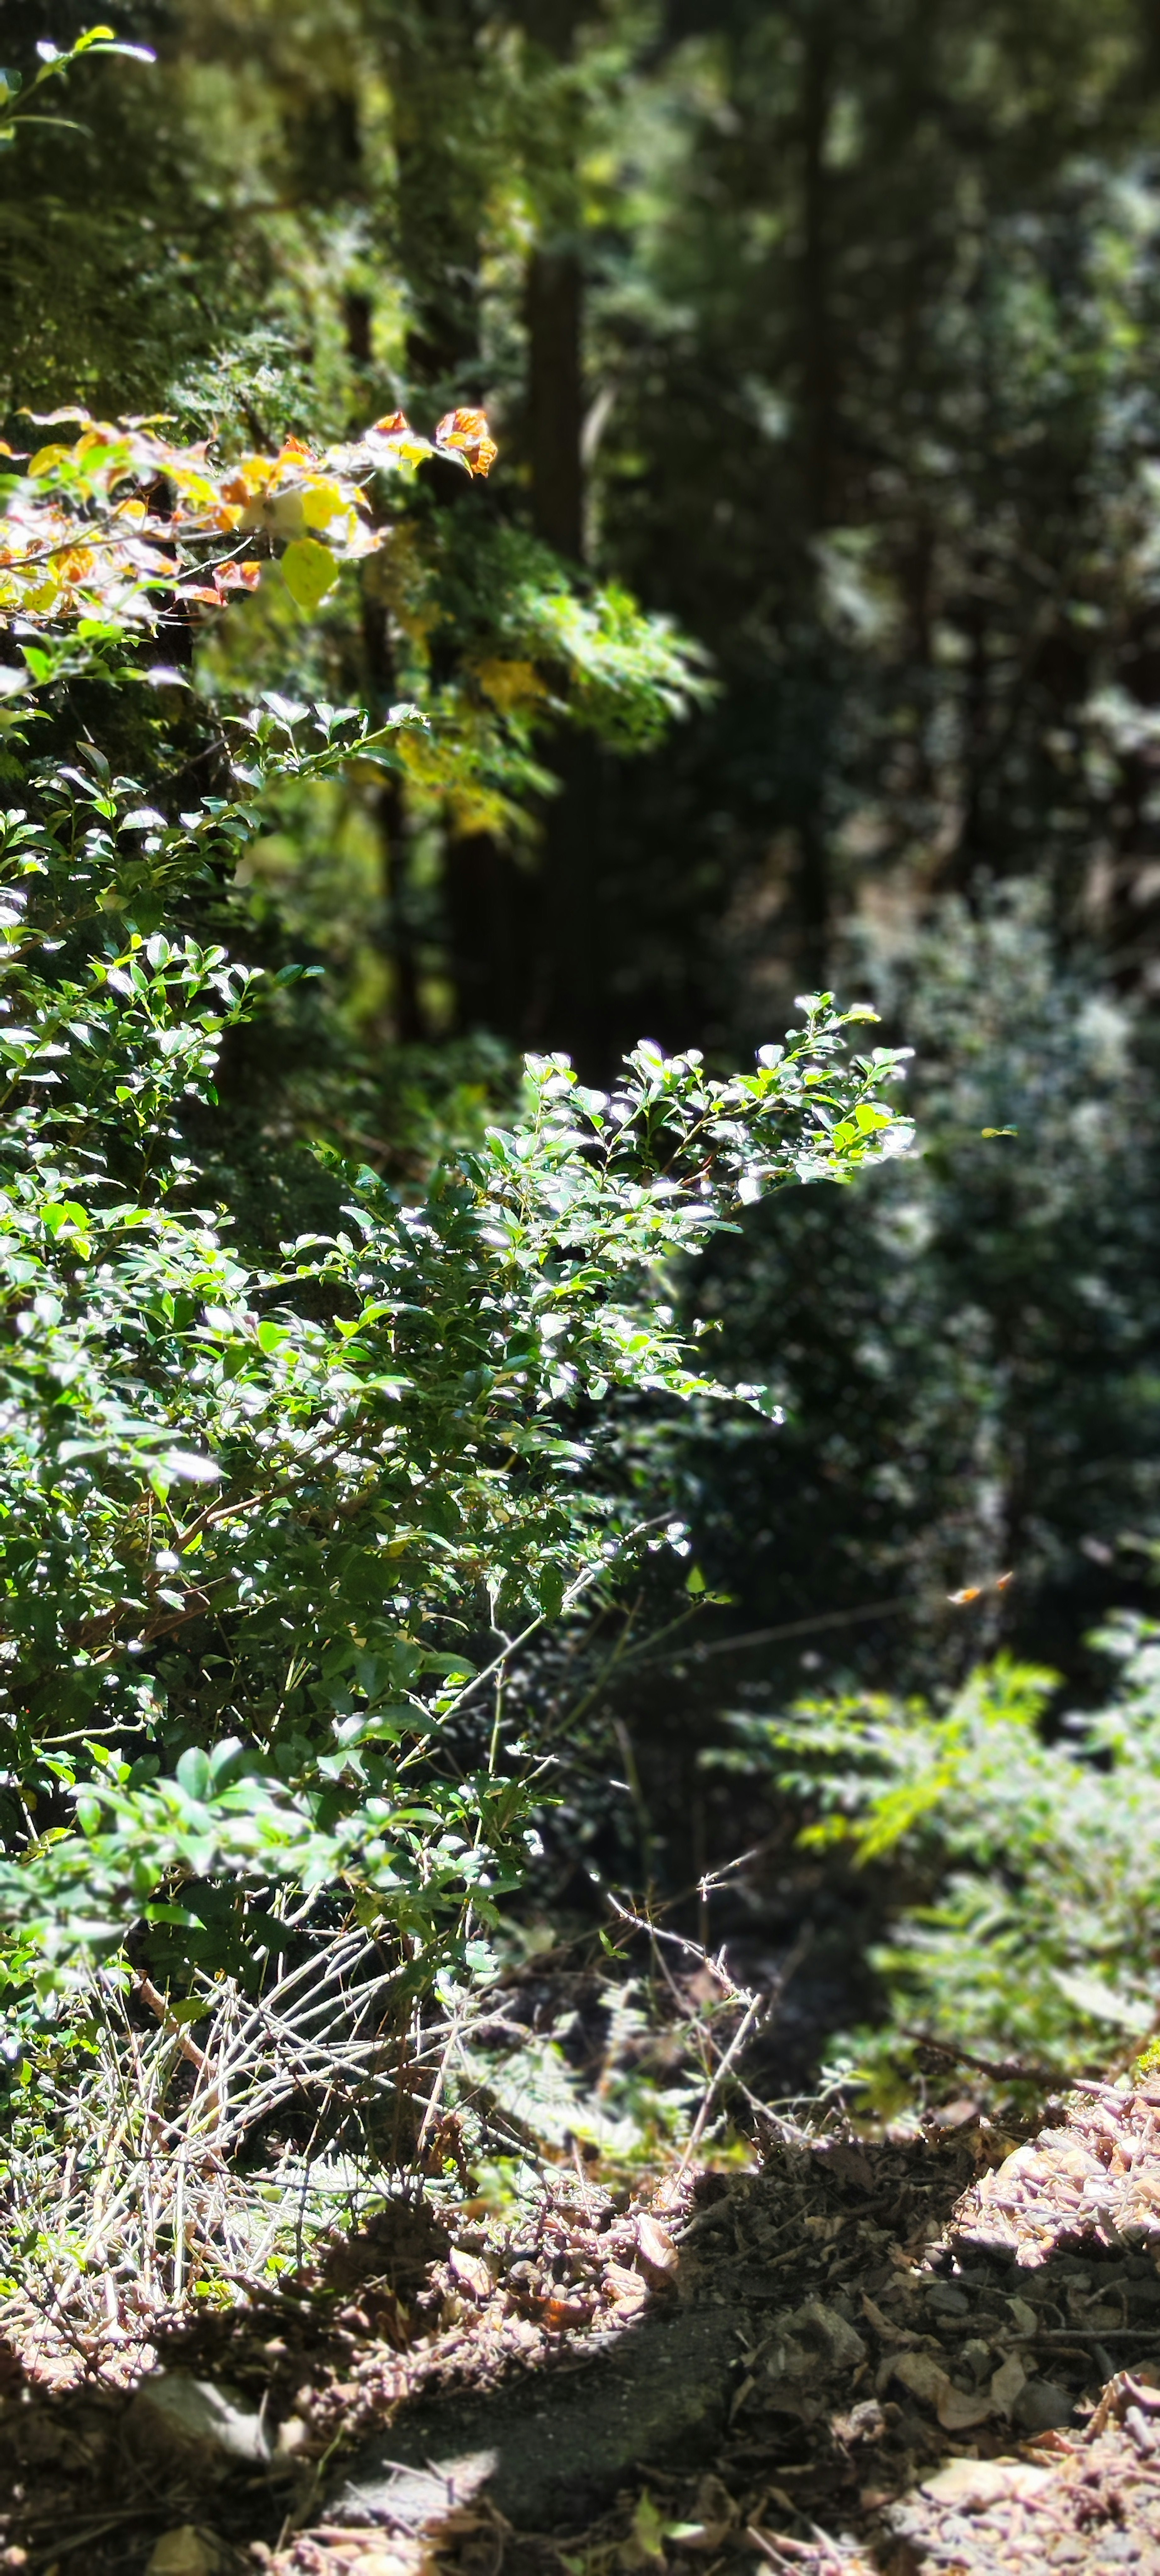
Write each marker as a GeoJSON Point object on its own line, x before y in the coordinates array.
{"type": "Point", "coordinates": [179, 2227]}
{"type": "Point", "coordinates": [459, 2023]}
{"type": "Point", "coordinates": [819, 1620]}
{"type": "Point", "coordinates": [757, 2004]}
{"type": "Point", "coordinates": [772, 2555]}
{"type": "Point", "coordinates": [711, 1879]}
{"type": "Point", "coordinates": [789, 1628]}
{"type": "Point", "coordinates": [1007, 2070]}
{"type": "Point", "coordinates": [737, 2042]}
{"type": "Point", "coordinates": [692, 1949]}
{"type": "Point", "coordinates": [187, 2047]}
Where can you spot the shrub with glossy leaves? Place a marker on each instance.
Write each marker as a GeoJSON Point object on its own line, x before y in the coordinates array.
{"type": "Point", "coordinates": [256, 1517]}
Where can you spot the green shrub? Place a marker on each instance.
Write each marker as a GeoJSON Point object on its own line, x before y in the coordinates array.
{"type": "Point", "coordinates": [272, 1528]}
{"type": "Point", "coordinates": [967, 1351]}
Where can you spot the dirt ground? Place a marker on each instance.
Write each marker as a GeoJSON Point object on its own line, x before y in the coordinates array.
{"type": "Point", "coordinates": [887, 2359]}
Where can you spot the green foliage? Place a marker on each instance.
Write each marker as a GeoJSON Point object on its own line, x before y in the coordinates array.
{"type": "Point", "coordinates": [888, 286]}
{"type": "Point", "coordinates": [55, 62]}
{"type": "Point", "coordinates": [1024, 1867]}
{"type": "Point", "coordinates": [967, 1352]}
{"type": "Point", "coordinates": [257, 1515]}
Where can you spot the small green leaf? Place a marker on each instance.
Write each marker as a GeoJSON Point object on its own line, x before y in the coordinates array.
{"type": "Point", "coordinates": [648, 2528]}
{"type": "Point", "coordinates": [193, 1772]}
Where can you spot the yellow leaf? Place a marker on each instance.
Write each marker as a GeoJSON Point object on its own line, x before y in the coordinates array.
{"type": "Point", "coordinates": [309, 571]}
{"type": "Point", "coordinates": [45, 459]}
{"type": "Point", "coordinates": [511, 686]}
{"type": "Point", "coordinates": [320, 503]}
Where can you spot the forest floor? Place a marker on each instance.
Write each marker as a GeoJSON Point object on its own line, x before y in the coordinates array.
{"type": "Point", "coordinates": [879, 2358]}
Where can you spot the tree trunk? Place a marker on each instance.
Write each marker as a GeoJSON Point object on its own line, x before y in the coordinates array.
{"type": "Point", "coordinates": [817, 400]}
{"type": "Point", "coordinates": [396, 937]}
{"type": "Point", "coordinates": [555, 399]}
{"type": "Point", "coordinates": [817, 349]}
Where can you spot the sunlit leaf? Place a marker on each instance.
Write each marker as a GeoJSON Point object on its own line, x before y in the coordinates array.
{"type": "Point", "coordinates": [466, 434]}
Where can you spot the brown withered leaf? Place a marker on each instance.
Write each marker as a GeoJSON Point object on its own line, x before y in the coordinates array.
{"type": "Point", "coordinates": [955, 2408]}
{"type": "Point", "coordinates": [655, 2245]}
{"type": "Point", "coordinates": [470, 2273]}
{"type": "Point", "coordinates": [625, 2289]}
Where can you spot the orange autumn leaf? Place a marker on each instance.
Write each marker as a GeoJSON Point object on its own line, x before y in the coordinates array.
{"type": "Point", "coordinates": [975, 1591]}
{"type": "Point", "coordinates": [104, 526]}
{"type": "Point", "coordinates": [466, 433]}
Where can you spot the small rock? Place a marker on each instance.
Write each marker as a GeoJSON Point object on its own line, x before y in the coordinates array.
{"type": "Point", "coordinates": [815, 2323]}
{"type": "Point", "coordinates": [1041, 2406]}
{"type": "Point", "coordinates": [947, 2301]}
{"type": "Point", "coordinates": [864, 2423]}
{"type": "Point", "coordinates": [187, 2552]}
{"type": "Point", "coordinates": [206, 2426]}
{"type": "Point", "coordinates": [412, 2499]}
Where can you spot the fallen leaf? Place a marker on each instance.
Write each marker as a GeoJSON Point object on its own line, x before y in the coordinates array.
{"type": "Point", "coordinates": [970, 2486]}
{"type": "Point", "coordinates": [471, 2272]}
{"type": "Point", "coordinates": [561, 2313]}
{"type": "Point", "coordinates": [648, 2528]}
{"type": "Point", "coordinates": [187, 2551]}
{"type": "Point", "coordinates": [655, 2245]}
{"type": "Point", "coordinates": [815, 2322]}
{"type": "Point", "coordinates": [1007, 2381]}
{"type": "Point", "coordinates": [898, 2335]}
{"type": "Point", "coordinates": [924, 2377]}
{"type": "Point", "coordinates": [625, 2289]}
{"type": "Point", "coordinates": [847, 2162]}
{"type": "Point", "coordinates": [957, 2114]}
{"type": "Point", "coordinates": [956, 2408]}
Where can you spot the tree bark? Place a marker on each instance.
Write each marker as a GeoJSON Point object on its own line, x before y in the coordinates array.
{"type": "Point", "coordinates": [555, 398]}
{"type": "Point", "coordinates": [817, 399]}
{"type": "Point", "coordinates": [396, 935]}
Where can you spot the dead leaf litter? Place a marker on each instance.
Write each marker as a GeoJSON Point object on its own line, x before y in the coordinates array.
{"type": "Point", "coordinates": [921, 2355]}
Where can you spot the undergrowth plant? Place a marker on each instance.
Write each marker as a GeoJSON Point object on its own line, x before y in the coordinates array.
{"type": "Point", "coordinates": [1018, 1868]}
{"type": "Point", "coordinates": [274, 1526]}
